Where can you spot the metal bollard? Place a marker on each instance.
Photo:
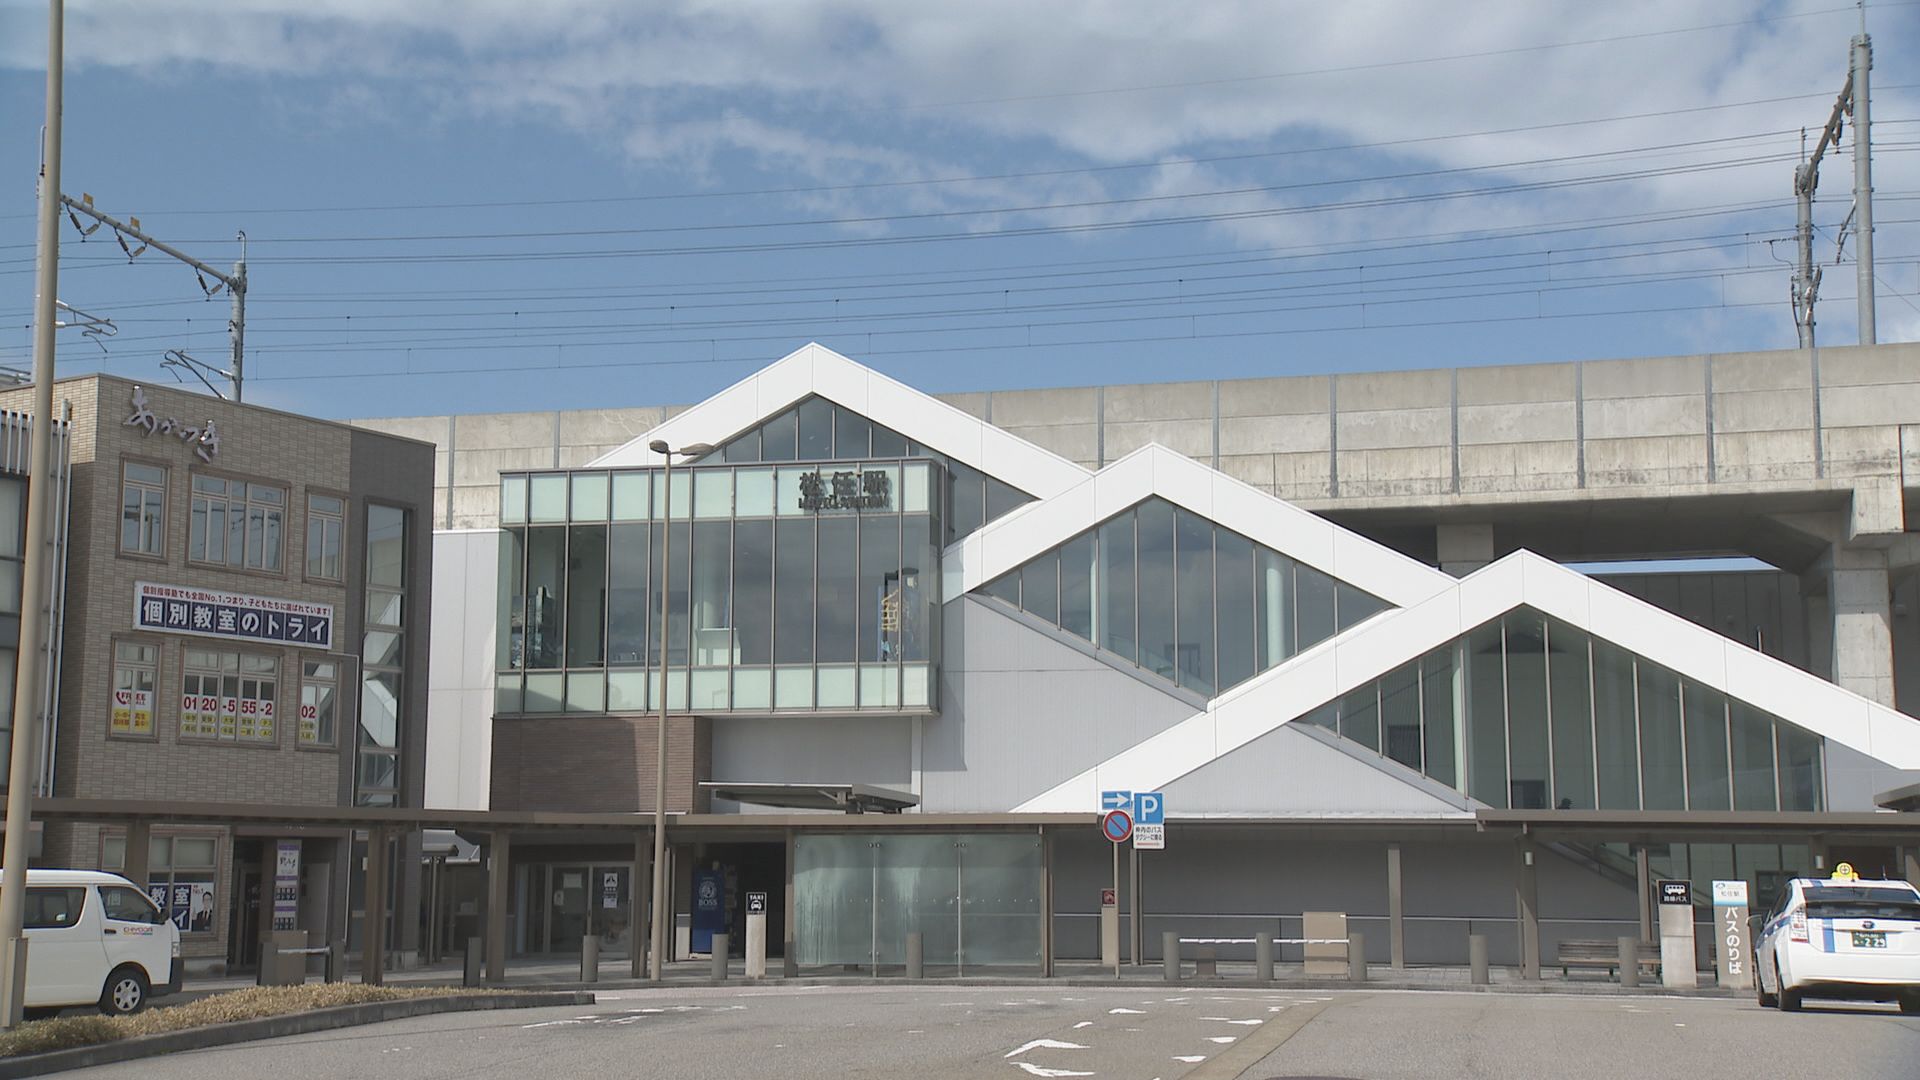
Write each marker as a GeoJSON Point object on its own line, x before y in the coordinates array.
{"type": "Point", "coordinates": [589, 958]}
{"type": "Point", "coordinates": [470, 972]}
{"type": "Point", "coordinates": [1477, 959]}
{"type": "Point", "coordinates": [1170, 955]}
{"type": "Point", "coordinates": [1629, 961]}
{"type": "Point", "coordinates": [336, 961]}
{"type": "Point", "coordinates": [1263, 957]}
{"type": "Point", "coordinates": [1356, 956]}
{"type": "Point", "coordinates": [719, 958]}
{"type": "Point", "coordinates": [916, 956]}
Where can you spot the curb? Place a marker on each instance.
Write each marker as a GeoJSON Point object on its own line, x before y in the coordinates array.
{"type": "Point", "coordinates": [273, 1027]}
{"type": "Point", "coordinates": [1580, 989]}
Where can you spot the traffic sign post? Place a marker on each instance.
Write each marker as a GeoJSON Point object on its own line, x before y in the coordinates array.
{"type": "Point", "coordinates": [1116, 824]}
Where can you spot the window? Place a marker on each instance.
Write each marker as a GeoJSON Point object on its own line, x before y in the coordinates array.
{"type": "Point", "coordinates": [384, 650]}
{"type": "Point", "coordinates": [319, 686]}
{"type": "Point", "coordinates": [235, 523]}
{"type": "Point", "coordinates": [136, 669]}
{"type": "Point", "coordinates": [129, 905]}
{"type": "Point", "coordinates": [49, 909]}
{"type": "Point", "coordinates": [326, 527]}
{"type": "Point", "coordinates": [181, 871]}
{"type": "Point", "coordinates": [228, 696]}
{"type": "Point", "coordinates": [143, 508]}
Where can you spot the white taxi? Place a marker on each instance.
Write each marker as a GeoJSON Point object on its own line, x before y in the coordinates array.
{"type": "Point", "coordinates": [95, 939]}
{"type": "Point", "coordinates": [1840, 937]}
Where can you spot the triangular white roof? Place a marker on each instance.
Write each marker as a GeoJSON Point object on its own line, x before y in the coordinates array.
{"type": "Point", "coordinates": [1431, 608]}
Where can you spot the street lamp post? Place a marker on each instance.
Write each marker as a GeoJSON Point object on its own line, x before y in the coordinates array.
{"type": "Point", "coordinates": [659, 936]}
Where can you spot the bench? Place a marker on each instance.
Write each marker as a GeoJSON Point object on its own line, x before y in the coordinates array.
{"type": "Point", "coordinates": [1601, 954]}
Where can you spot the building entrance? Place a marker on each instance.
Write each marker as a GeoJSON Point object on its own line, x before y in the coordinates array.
{"type": "Point", "coordinates": [567, 901]}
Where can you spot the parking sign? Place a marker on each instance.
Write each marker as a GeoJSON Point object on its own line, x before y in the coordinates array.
{"type": "Point", "coordinates": [1149, 808]}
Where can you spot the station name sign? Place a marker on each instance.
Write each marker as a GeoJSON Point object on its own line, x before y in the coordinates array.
{"type": "Point", "coordinates": [216, 613]}
{"type": "Point", "coordinates": [845, 490]}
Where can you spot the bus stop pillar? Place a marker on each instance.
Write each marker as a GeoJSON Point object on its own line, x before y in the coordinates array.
{"type": "Point", "coordinates": [1526, 896]}
{"type": "Point", "coordinates": [1396, 911]}
{"type": "Point", "coordinates": [499, 852]}
{"type": "Point", "coordinates": [641, 922]}
{"type": "Point", "coordinates": [373, 921]}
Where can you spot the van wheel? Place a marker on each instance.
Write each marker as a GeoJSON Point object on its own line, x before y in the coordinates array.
{"type": "Point", "coordinates": [1910, 1002]}
{"type": "Point", "coordinates": [125, 992]}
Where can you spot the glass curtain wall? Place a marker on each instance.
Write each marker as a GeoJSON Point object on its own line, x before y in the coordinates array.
{"type": "Point", "coordinates": [819, 430]}
{"type": "Point", "coordinates": [1194, 603]}
{"type": "Point", "coordinates": [803, 587]}
{"type": "Point", "coordinates": [973, 898]}
{"type": "Point", "coordinates": [1527, 712]}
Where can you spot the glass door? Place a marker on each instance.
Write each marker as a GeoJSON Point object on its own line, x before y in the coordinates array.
{"type": "Point", "coordinates": [569, 916]}
{"type": "Point", "coordinates": [612, 916]}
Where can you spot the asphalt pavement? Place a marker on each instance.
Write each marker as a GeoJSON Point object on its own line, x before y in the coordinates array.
{"type": "Point", "coordinates": [860, 1032]}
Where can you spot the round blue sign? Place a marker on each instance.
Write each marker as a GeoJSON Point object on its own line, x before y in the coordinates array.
{"type": "Point", "coordinates": [1116, 825]}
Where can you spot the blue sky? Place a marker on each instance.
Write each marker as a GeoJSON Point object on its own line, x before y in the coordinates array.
{"type": "Point", "coordinates": [491, 205]}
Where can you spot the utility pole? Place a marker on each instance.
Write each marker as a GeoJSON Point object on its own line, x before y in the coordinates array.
{"type": "Point", "coordinates": [28, 703]}
{"type": "Point", "coordinates": [1852, 102]}
{"type": "Point", "coordinates": [235, 283]}
{"type": "Point", "coordinates": [1861, 62]}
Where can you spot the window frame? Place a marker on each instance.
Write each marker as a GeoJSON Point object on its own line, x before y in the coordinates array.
{"type": "Point", "coordinates": [341, 519]}
{"type": "Point", "coordinates": [345, 667]}
{"type": "Point", "coordinates": [247, 504]}
{"type": "Point", "coordinates": [158, 645]}
{"type": "Point", "coordinates": [165, 489]}
{"type": "Point", "coordinates": [237, 675]}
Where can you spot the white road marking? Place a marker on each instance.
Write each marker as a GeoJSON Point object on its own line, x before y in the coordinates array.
{"type": "Point", "coordinates": [1042, 1044]}
{"type": "Point", "coordinates": [1081, 1024]}
{"type": "Point", "coordinates": [1189, 1058]}
{"type": "Point", "coordinates": [1221, 1038]}
{"type": "Point", "coordinates": [1247, 1023]}
{"type": "Point", "coordinates": [1036, 1070]}
{"type": "Point", "coordinates": [1126, 1012]}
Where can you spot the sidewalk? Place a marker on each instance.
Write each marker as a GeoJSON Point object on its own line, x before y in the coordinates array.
{"type": "Point", "coordinates": [550, 973]}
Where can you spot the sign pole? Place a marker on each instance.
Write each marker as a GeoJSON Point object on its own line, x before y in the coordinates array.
{"type": "Point", "coordinates": [1116, 893]}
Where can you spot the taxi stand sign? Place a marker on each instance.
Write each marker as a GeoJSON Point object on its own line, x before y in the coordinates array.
{"type": "Point", "coordinates": [1149, 821]}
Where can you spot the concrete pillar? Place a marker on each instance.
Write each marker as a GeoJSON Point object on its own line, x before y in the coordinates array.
{"type": "Point", "coordinates": [1396, 911]}
{"type": "Point", "coordinates": [1819, 614]}
{"type": "Point", "coordinates": [1263, 957]}
{"type": "Point", "coordinates": [1356, 956]}
{"type": "Point", "coordinates": [1862, 603]}
{"type": "Point", "coordinates": [1526, 897]}
{"type": "Point", "coordinates": [1477, 959]}
{"type": "Point", "coordinates": [916, 956]}
{"type": "Point", "coordinates": [718, 958]}
{"type": "Point", "coordinates": [1911, 858]}
{"type": "Point", "coordinates": [1170, 955]}
{"type": "Point", "coordinates": [373, 925]}
{"type": "Point", "coordinates": [1460, 549]}
{"type": "Point", "coordinates": [499, 857]}
{"type": "Point", "coordinates": [139, 849]}
{"type": "Point", "coordinates": [1629, 962]}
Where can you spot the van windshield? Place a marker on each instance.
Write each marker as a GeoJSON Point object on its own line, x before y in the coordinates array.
{"type": "Point", "coordinates": [1855, 902]}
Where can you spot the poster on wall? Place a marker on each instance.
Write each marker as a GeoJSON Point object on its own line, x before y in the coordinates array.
{"type": "Point", "coordinates": [133, 712]}
{"type": "Point", "coordinates": [189, 904]}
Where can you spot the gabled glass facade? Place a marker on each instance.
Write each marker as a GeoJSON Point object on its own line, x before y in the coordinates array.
{"type": "Point", "coordinates": [807, 588]}
{"type": "Point", "coordinates": [1190, 601]}
{"type": "Point", "coordinates": [819, 430]}
{"type": "Point", "coordinates": [1528, 712]}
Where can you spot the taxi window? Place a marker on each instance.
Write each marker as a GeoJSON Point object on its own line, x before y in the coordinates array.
{"type": "Point", "coordinates": [128, 905]}
{"type": "Point", "coordinates": [1857, 902]}
{"type": "Point", "coordinates": [51, 908]}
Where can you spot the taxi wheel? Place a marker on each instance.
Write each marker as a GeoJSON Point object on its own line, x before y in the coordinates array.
{"type": "Point", "coordinates": [125, 992]}
{"type": "Point", "coordinates": [1760, 990]}
{"type": "Point", "coordinates": [1910, 1002]}
{"type": "Point", "coordinates": [1789, 999]}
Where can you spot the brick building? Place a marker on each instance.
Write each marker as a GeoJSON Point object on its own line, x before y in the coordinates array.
{"type": "Point", "coordinates": [244, 621]}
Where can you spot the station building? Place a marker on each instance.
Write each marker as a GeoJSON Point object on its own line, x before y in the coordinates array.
{"type": "Point", "coordinates": [240, 606]}
{"type": "Point", "coordinates": [883, 602]}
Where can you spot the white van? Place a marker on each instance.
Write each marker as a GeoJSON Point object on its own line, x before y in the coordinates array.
{"type": "Point", "coordinates": [95, 939]}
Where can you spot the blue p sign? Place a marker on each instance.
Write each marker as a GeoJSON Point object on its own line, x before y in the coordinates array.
{"type": "Point", "coordinates": [1149, 808]}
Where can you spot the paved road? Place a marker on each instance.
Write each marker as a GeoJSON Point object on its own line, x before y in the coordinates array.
{"type": "Point", "coordinates": [856, 1033]}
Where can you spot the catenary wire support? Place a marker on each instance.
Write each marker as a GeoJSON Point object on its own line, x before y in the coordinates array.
{"type": "Point", "coordinates": [1853, 103]}
{"type": "Point", "coordinates": [234, 282]}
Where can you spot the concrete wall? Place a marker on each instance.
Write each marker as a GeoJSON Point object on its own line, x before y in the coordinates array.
{"type": "Point", "coordinates": [1022, 710]}
{"type": "Point", "coordinates": [1845, 422]}
{"type": "Point", "coordinates": [811, 749]}
{"type": "Point", "coordinates": [466, 569]}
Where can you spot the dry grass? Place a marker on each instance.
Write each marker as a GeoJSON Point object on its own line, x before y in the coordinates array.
{"type": "Point", "coordinates": [66, 1032]}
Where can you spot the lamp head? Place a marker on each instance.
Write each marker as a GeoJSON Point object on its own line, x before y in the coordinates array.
{"type": "Point", "coordinates": [659, 446]}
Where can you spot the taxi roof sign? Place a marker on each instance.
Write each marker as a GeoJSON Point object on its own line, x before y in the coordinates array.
{"type": "Point", "coordinates": [1845, 872]}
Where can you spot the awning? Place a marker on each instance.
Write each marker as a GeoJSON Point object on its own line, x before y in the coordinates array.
{"type": "Point", "coordinates": [850, 798]}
